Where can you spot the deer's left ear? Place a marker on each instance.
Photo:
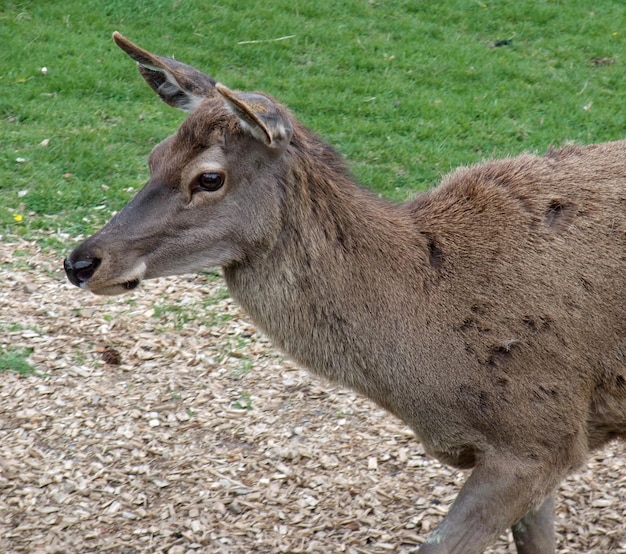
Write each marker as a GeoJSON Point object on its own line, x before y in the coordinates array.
{"type": "Point", "coordinates": [177, 84]}
{"type": "Point", "coordinates": [260, 116]}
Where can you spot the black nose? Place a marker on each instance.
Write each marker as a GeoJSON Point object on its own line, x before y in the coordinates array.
{"type": "Point", "coordinates": [81, 271]}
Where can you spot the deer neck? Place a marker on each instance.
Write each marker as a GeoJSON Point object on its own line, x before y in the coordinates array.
{"type": "Point", "coordinates": [342, 260]}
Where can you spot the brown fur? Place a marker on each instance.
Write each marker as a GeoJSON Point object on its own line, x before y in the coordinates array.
{"type": "Point", "coordinates": [489, 314]}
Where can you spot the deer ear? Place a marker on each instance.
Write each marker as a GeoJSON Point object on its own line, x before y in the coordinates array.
{"type": "Point", "coordinates": [178, 85]}
{"type": "Point", "coordinates": [260, 116]}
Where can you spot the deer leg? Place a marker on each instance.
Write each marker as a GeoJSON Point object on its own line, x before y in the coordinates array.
{"type": "Point", "coordinates": [534, 533]}
{"type": "Point", "coordinates": [496, 495]}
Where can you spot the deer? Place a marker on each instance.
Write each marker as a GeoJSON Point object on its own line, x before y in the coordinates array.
{"type": "Point", "coordinates": [488, 313]}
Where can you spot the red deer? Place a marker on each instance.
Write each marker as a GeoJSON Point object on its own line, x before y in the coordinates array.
{"type": "Point", "coordinates": [488, 313]}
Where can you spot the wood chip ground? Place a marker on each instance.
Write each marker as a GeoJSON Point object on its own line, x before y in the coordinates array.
{"type": "Point", "coordinates": [162, 421]}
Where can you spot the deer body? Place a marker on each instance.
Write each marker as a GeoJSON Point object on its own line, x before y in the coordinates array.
{"type": "Point", "coordinates": [489, 314]}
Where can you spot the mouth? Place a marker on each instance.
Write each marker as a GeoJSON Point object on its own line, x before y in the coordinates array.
{"type": "Point", "coordinates": [130, 285]}
{"type": "Point", "coordinates": [112, 290]}
{"type": "Point", "coordinates": [87, 278]}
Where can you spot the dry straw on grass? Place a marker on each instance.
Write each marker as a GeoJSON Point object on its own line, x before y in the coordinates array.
{"type": "Point", "coordinates": [162, 422]}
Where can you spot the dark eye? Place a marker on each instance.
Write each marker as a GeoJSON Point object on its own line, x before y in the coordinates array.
{"type": "Point", "coordinates": [210, 182]}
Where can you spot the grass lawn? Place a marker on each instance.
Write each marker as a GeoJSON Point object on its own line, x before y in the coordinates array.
{"type": "Point", "coordinates": [407, 90]}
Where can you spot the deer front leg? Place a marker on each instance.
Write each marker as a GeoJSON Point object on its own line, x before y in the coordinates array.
{"type": "Point", "coordinates": [534, 533]}
{"type": "Point", "coordinates": [498, 493]}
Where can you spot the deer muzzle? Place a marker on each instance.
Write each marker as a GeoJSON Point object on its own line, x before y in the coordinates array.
{"type": "Point", "coordinates": [83, 272]}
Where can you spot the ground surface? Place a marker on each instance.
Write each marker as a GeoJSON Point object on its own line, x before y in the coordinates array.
{"type": "Point", "coordinates": [162, 422]}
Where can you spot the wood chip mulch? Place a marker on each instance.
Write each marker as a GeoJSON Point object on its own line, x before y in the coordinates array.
{"type": "Point", "coordinates": [162, 421]}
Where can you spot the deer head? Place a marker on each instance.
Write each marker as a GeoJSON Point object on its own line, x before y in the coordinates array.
{"type": "Point", "coordinates": [207, 202]}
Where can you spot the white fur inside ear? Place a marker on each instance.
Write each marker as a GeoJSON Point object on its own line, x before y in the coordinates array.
{"type": "Point", "coordinates": [171, 88]}
{"type": "Point", "coordinates": [273, 137]}
{"type": "Point", "coordinates": [280, 133]}
{"type": "Point", "coordinates": [256, 131]}
{"type": "Point", "coordinates": [258, 116]}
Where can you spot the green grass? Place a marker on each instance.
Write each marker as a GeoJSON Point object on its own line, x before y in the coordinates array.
{"type": "Point", "coordinates": [407, 90]}
{"type": "Point", "coordinates": [173, 314]}
{"type": "Point", "coordinates": [244, 402]}
{"type": "Point", "coordinates": [16, 360]}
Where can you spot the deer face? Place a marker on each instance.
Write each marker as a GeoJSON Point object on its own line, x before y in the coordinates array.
{"type": "Point", "coordinates": [212, 198]}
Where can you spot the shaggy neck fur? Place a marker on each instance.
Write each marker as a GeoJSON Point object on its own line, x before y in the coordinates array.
{"type": "Point", "coordinates": [328, 275]}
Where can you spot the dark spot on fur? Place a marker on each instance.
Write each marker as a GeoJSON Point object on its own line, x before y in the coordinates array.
{"type": "Point", "coordinates": [466, 324]}
{"type": "Point", "coordinates": [530, 321]}
{"type": "Point", "coordinates": [478, 309]}
{"type": "Point", "coordinates": [542, 393]}
{"type": "Point", "coordinates": [338, 322]}
{"type": "Point", "coordinates": [537, 323]}
{"type": "Point", "coordinates": [551, 393]}
{"type": "Point", "coordinates": [502, 382]}
{"type": "Point", "coordinates": [484, 403]}
{"type": "Point", "coordinates": [554, 213]}
{"type": "Point", "coordinates": [435, 254]}
{"type": "Point", "coordinates": [620, 382]}
{"type": "Point", "coordinates": [558, 215]}
{"type": "Point", "coordinates": [586, 284]}
{"type": "Point", "coordinates": [341, 239]}
{"type": "Point", "coordinates": [469, 349]}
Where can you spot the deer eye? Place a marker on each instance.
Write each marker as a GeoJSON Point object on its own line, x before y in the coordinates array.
{"type": "Point", "coordinates": [210, 181]}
